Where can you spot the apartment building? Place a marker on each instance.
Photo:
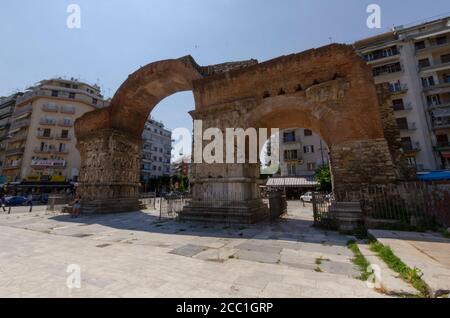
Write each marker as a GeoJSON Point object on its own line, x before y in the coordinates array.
{"type": "Point", "coordinates": [156, 151]}
{"type": "Point", "coordinates": [41, 142]}
{"type": "Point", "coordinates": [7, 105]}
{"type": "Point", "coordinates": [415, 62]}
{"type": "Point", "coordinates": [301, 153]}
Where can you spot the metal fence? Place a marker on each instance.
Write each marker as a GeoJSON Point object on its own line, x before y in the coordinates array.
{"type": "Point", "coordinates": [416, 204]}
{"type": "Point", "coordinates": [321, 210]}
{"type": "Point", "coordinates": [57, 202]}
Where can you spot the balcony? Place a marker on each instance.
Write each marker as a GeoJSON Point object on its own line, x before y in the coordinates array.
{"type": "Point", "coordinates": [409, 147]}
{"type": "Point", "coordinates": [47, 122]}
{"type": "Point", "coordinates": [434, 67]}
{"type": "Point", "coordinates": [68, 110]}
{"type": "Point", "coordinates": [61, 151]}
{"type": "Point", "coordinates": [409, 126]}
{"type": "Point", "coordinates": [52, 108]}
{"type": "Point", "coordinates": [44, 150]}
{"type": "Point", "coordinates": [438, 88]}
{"type": "Point", "coordinates": [64, 138]}
{"type": "Point", "coordinates": [12, 166]}
{"type": "Point", "coordinates": [15, 151]}
{"type": "Point", "coordinates": [17, 137]}
{"type": "Point", "coordinates": [20, 124]}
{"type": "Point", "coordinates": [434, 46]}
{"type": "Point", "coordinates": [442, 146]}
{"type": "Point", "coordinates": [382, 58]}
{"type": "Point", "coordinates": [435, 106]}
{"type": "Point", "coordinates": [22, 111]}
{"type": "Point", "coordinates": [42, 135]}
{"type": "Point", "coordinates": [403, 107]}
{"type": "Point", "coordinates": [398, 89]}
{"type": "Point", "coordinates": [63, 93]}
{"type": "Point", "coordinates": [65, 123]}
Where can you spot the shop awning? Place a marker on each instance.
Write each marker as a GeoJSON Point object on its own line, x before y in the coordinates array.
{"type": "Point", "coordinates": [293, 182]}
{"type": "Point", "coordinates": [434, 176]}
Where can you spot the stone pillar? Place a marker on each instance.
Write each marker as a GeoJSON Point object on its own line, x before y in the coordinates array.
{"type": "Point", "coordinates": [226, 193]}
{"type": "Point", "coordinates": [109, 174]}
{"type": "Point", "coordinates": [358, 164]}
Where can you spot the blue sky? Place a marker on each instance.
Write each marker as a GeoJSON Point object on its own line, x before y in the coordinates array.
{"type": "Point", "coordinates": [119, 36]}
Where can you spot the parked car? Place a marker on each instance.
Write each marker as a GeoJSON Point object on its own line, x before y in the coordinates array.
{"type": "Point", "coordinates": [15, 201]}
{"type": "Point", "coordinates": [307, 197]}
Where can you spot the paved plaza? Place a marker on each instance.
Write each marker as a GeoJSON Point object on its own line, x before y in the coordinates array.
{"type": "Point", "coordinates": [138, 255]}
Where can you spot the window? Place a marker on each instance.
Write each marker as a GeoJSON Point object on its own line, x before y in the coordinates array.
{"type": "Point", "coordinates": [446, 78]}
{"type": "Point", "coordinates": [311, 166]}
{"type": "Point", "coordinates": [46, 132]}
{"type": "Point", "coordinates": [292, 169]}
{"type": "Point", "coordinates": [420, 45]}
{"type": "Point", "coordinates": [445, 58]}
{"type": "Point", "coordinates": [289, 136]}
{"type": "Point", "coordinates": [407, 143]}
{"type": "Point", "coordinates": [396, 87]}
{"type": "Point", "coordinates": [387, 69]}
{"type": "Point", "coordinates": [427, 81]}
{"type": "Point", "coordinates": [442, 141]}
{"type": "Point", "coordinates": [308, 133]}
{"type": "Point", "coordinates": [290, 155]}
{"type": "Point", "coordinates": [308, 149]}
{"type": "Point", "coordinates": [67, 122]}
{"type": "Point", "coordinates": [398, 104]}
{"type": "Point", "coordinates": [94, 101]}
{"type": "Point", "coordinates": [424, 63]}
{"type": "Point", "coordinates": [65, 134]}
{"type": "Point", "coordinates": [402, 123]}
{"type": "Point", "coordinates": [55, 93]}
{"type": "Point", "coordinates": [441, 40]}
{"type": "Point", "coordinates": [72, 95]}
{"type": "Point", "coordinates": [62, 147]}
{"type": "Point", "coordinates": [433, 100]}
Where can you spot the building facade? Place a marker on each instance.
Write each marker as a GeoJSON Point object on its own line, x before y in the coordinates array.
{"type": "Point", "coordinates": [156, 151]}
{"type": "Point", "coordinates": [415, 62]}
{"type": "Point", "coordinates": [301, 153]}
{"type": "Point", "coordinates": [7, 105]}
{"type": "Point", "coordinates": [41, 141]}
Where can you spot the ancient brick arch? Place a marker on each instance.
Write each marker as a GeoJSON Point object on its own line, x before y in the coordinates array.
{"type": "Point", "coordinates": [329, 90]}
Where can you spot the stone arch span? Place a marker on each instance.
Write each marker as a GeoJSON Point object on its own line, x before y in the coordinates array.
{"type": "Point", "coordinates": [329, 90]}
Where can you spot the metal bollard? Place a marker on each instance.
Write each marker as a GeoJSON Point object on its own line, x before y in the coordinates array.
{"type": "Point", "coordinates": [9, 210]}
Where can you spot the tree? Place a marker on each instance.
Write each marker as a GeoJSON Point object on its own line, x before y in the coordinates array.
{"type": "Point", "coordinates": [323, 177]}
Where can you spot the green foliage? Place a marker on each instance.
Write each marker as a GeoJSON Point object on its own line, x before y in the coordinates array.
{"type": "Point", "coordinates": [412, 276]}
{"type": "Point", "coordinates": [359, 260]}
{"type": "Point", "coordinates": [323, 177]}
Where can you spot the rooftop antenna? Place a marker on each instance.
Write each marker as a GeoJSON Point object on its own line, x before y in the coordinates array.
{"type": "Point", "coordinates": [331, 39]}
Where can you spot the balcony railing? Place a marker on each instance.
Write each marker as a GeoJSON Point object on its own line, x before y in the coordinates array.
{"type": "Point", "coordinates": [13, 165]}
{"type": "Point", "coordinates": [65, 123]}
{"type": "Point", "coordinates": [44, 135]}
{"type": "Point", "coordinates": [61, 151]}
{"type": "Point", "coordinates": [47, 122]}
{"type": "Point", "coordinates": [434, 45]}
{"type": "Point", "coordinates": [443, 145]}
{"type": "Point", "coordinates": [68, 109]}
{"type": "Point", "coordinates": [399, 88]}
{"type": "Point", "coordinates": [435, 65]}
{"type": "Point", "coordinates": [20, 123]}
{"type": "Point", "coordinates": [79, 95]}
{"type": "Point", "coordinates": [411, 147]}
{"type": "Point", "coordinates": [402, 107]}
{"type": "Point", "coordinates": [409, 126]}
{"type": "Point", "coordinates": [50, 108]}
{"type": "Point", "coordinates": [14, 151]}
{"type": "Point", "coordinates": [64, 137]}
{"type": "Point", "coordinates": [22, 110]}
{"type": "Point", "coordinates": [43, 150]}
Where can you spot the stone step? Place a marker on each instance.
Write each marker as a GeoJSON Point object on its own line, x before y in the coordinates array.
{"type": "Point", "coordinates": [391, 283]}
